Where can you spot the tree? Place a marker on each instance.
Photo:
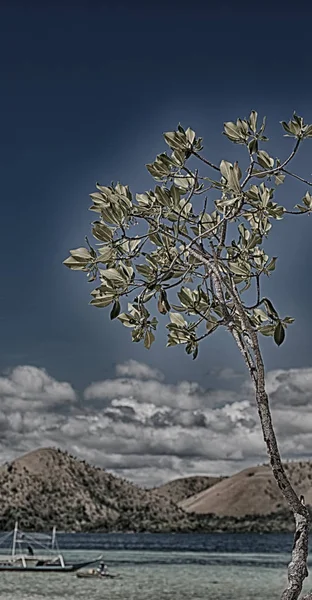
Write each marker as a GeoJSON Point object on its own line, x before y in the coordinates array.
{"type": "Point", "coordinates": [168, 251]}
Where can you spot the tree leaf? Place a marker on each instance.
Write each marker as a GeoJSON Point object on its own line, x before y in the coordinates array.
{"type": "Point", "coordinates": [126, 320]}
{"type": "Point", "coordinates": [270, 309]}
{"type": "Point", "coordinates": [177, 319]}
{"type": "Point", "coordinates": [195, 352]}
{"type": "Point", "coordinates": [81, 254]}
{"type": "Point", "coordinates": [73, 264]}
{"type": "Point", "coordinates": [279, 334]}
{"type": "Point", "coordinates": [261, 314]}
{"type": "Point", "coordinates": [225, 168]}
{"type": "Point", "coordinates": [265, 160]}
{"type": "Point", "coordinates": [105, 255]}
{"type": "Point", "coordinates": [232, 132]}
{"type": "Point", "coordinates": [102, 301]}
{"type": "Point", "coordinates": [148, 339]}
{"type": "Point", "coordinates": [253, 146]}
{"type": "Point", "coordinates": [102, 232]}
{"type": "Point", "coordinates": [271, 265]}
{"type": "Point", "coordinates": [288, 320]}
{"type": "Point", "coordinates": [267, 330]}
{"type": "Point", "coordinates": [253, 120]}
{"type": "Point", "coordinates": [78, 259]}
{"type": "Point", "coordinates": [239, 269]}
{"type": "Point", "coordinates": [163, 304]}
{"type": "Point", "coordinates": [114, 276]}
{"type": "Point", "coordinates": [186, 296]}
{"type": "Point", "coordinates": [190, 135]}
{"type": "Point", "coordinates": [115, 310]}
{"type": "Point", "coordinates": [279, 178]}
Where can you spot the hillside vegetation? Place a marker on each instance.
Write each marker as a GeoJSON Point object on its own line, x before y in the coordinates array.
{"type": "Point", "coordinates": [179, 490]}
{"type": "Point", "coordinates": [49, 487]}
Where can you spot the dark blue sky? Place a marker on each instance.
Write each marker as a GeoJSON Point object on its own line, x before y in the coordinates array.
{"type": "Point", "coordinates": [86, 92]}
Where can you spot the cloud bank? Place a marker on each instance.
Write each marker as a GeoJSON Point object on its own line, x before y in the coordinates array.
{"type": "Point", "coordinates": [147, 430]}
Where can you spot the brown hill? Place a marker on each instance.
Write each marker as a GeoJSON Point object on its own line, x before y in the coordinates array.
{"type": "Point", "coordinates": [47, 487]}
{"type": "Point", "coordinates": [250, 492]}
{"type": "Point", "coordinates": [180, 489]}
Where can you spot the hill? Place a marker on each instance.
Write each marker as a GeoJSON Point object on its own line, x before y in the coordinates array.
{"type": "Point", "coordinates": [47, 487]}
{"type": "Point", "coordinates": [180, 489]}
{"type": "Point", "coordinates": [250, 492]}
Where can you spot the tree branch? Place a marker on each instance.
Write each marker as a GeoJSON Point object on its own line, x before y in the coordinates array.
{"type": "Point", "coordinates": [275, 169]}
{"type": "Point", "coordinates": [297, 177]}
{"type": "Point", "coordinates": [207, 162]}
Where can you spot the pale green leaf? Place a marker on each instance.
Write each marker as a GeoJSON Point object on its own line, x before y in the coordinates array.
{"type": "Point", "coordinates": [114, 276]}
{"type": "Point", "coordinates": [126, 320]}
{"type": "Point", "coordinates": [177, 319]}
{"type": "Point", "coordinates": [253, 121]}
{"type": "Point", "coordinates": [101, 301]}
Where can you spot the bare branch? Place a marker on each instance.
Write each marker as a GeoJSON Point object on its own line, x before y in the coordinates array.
{"type": "Point", "coordinates": [297, 177]}
{"type": "Point", "coordinates": [276, 169]}
{"type": "Point", "coordinates": [204, 160]}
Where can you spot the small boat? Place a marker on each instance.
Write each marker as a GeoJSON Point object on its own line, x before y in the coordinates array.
{"type": "Point", "coordinates": [94, 573]}
{"type": "Point", "coordinates": [36, 552]}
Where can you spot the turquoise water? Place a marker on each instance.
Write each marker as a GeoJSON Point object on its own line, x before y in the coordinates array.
{"type": "Point", "coordinates": [152, 575]}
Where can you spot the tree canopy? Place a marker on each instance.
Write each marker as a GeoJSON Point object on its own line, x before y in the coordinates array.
{"type": "Point", "coordinates": [195, 243]}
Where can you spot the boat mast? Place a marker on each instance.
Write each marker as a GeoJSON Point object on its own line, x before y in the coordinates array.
{"type": "Point", "coordinates": [53, 537]}
{"type": "Point", "coordinates": [14, 538]}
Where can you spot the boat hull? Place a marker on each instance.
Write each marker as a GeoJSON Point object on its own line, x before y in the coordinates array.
{"type": "Point", "coordinates": [50, 568]}
{"type": "Point", "coordinates": [23, 556]}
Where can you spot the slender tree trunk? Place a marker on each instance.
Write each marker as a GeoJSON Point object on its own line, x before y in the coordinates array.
{"type": "Point", "coordinates": [297, 568]}
{"type": "Point", "coordinates": [248, 345]}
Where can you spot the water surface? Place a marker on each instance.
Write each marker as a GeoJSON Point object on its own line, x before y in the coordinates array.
{"type": "Point", "coordinates": [159, 567]}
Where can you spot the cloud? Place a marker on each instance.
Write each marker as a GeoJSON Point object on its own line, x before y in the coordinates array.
{"type": "Point", "coordinates": [30, 388]}
{"type": "Point", "coordinates": [147, 430]}
{"type": "Point", "coordinates": [133, 368]}
{"type": "Point", "coordinates": [184, 395]}
{"type": "Point", "coordinates": [290, 388]}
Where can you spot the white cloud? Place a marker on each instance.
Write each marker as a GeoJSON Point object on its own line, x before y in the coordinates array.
{"type": "Point", "coordinates": [149, 431]}
{"type": "Point", "coordinates": [183, 395]}
{"type": "Point", "coordinates": [28, 387]}
{"type": "Point", "coordinates": [133, 368]}
{"type": "Point", "coordinates": [290, 388]}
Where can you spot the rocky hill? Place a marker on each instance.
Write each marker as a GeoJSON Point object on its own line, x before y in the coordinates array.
{"type": "Point", "coordinates": [251, 492]}
{"type": "Point", "coordinates": [179, 490]}
{"type": "Point", "coordinates": [48, 487]}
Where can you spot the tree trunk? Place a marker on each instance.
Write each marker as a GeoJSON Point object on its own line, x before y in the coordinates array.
{"type": "Point", "coordinates": [297, 568]}
{"type": "Point", "coordinates": [246, 338]}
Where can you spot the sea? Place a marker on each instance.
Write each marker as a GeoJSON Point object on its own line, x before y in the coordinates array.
{"type": "Point", "coordinates": [165, 567]}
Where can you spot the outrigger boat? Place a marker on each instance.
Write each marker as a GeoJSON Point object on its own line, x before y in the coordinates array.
{"type": "Point", "coordinates": [36, 552]}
